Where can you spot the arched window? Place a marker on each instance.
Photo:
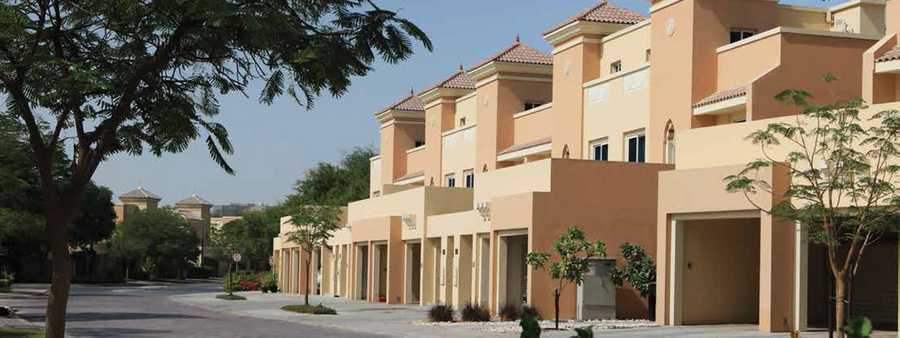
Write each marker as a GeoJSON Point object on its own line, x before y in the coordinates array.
{"type": "Point", "coordinates": [670, 145]}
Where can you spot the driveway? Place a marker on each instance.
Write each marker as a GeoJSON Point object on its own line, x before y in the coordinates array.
{"type": "Point", "coordinates": [148, 311]}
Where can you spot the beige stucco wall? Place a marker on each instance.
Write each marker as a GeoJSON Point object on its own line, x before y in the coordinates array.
{"type": "Point", "coordinates": [418, 202]}
{"type": "Point", "coordinates": [611, 111]}
{"type": "Point", "coordinates": [533, 126]}
{"type": "Point", "coordinates": [628, 46]}
{"type": "Point", "coordinates": [533, 176]}
{"type": "Point", "coordinates": [398, 136]}
{"type": "Point", "coordinates": [465, 222]}
{"type": "Point", "coordinates": [374, 175]}
{"type": "Point", "coordinates": [572, 66]}
{"type": "Point", "coordinates": [459, 152]}
{"type": "Point", "coordinates": [746, 62]}
{"type": "Point", "coordinates": [416, 160]}
{"type": "Point", "coordinates": [466, 107]}
{"type": "Point", "coordinates": [864, 17]}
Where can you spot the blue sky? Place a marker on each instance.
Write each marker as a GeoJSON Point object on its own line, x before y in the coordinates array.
{"type": "Point", "coordinates": [275, 144]}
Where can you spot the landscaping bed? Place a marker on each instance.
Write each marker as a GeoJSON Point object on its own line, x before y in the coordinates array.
{"type": "Point", "coordinates": [513, 326]}
{"type": "Point", "coordinates": [230, 297]}
{"type": "Point", "coordinates": [310, 309]}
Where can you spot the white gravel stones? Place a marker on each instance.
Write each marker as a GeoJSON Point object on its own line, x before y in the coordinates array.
{"type": "Point", "coordinates": [513, 326]}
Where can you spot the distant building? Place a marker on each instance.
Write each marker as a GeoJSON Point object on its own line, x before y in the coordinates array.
{"type": "Point", "coordinates": [194, 209]}
{"type": "Point", "coordinates": [235, 209]}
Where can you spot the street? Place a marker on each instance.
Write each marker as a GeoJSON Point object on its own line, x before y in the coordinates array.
{"type": "Point", "coordinates": [147, 311]}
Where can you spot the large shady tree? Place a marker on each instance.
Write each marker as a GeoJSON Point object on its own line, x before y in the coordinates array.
{"type": "Point", "coordinates": [123, 76]}
{"type": "Point", "coordinates": [843, 170]}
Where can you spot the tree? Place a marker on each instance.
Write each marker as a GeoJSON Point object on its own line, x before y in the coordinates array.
{"type": "Point", "coordinates": [842, 171]}
{"type": "Point", "coordinates": [639, 272]}
{"type": "Point", "coordinates": [252, 234]}
{"type": "Point", "coordinates": [97, 220]}
{"type": "Point", "coordinates": [128, 76]}
{"type": "Point", "coordinates": [329, 184]}
{"type": "Point", "coordinates": [315, 226]}
{"type": "Point", "coordinates": [156, 238]}
{"type": "Point", "coordinates": [573, 254]}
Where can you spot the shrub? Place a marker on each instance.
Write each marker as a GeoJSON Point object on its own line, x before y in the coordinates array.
{"type": "Point", "coordinates": [528, 310]}
{"type": "Point", "coordinates": [530, 327]}
{"type": "Point", "coordinates": [510, 312]}
{"type": "Point", "coordinates": [309, 309]}
{"type": "Point", "coordinates": [858, 327]}
{"type": "Point", "coordinates": [475, 313]}
{"type": "Point", "coordinates": [440, 313]}
{"type": "Point", "coordinates": [230, 297]}
{"type": "Point", "coordinates": [269, 284]}
{"type": "Point", "coordinates": [584, 332]}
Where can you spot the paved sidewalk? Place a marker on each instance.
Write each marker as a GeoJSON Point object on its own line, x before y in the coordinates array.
{"type": "Point", "coordinates": [408, 320]}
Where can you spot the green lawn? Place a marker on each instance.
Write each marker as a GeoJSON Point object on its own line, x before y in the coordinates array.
{"type": "Point", "coordinates": [20, 333]}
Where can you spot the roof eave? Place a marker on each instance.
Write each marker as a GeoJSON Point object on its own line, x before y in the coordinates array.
{"type": "Point", "coordinates": [582, 28]}
{"type": "Point", "coordinates": [495, 67]}
{"type": "Point", "coordinates": [442, 92]}
{"type": "Point", "coordinates": [393, 114]}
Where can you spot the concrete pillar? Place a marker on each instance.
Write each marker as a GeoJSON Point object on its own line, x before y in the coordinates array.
{"type": "Point", "coordinates": [776, 275]}
{"type": "Point", "coordinates": [676, 255]}
{"type": "Point", "coordinates": [801, 274]}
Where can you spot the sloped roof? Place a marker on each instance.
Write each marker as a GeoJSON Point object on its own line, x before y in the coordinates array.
{"type": "Point", "coordinates": [140, 192]}
{"type": "Point", "coordinates": [519, 52]}
{"type": "Point", "coordinates": [194, 200]}
{"type": "Point", "coordinates": [408, 103]}
{"type": "Point", "coordinates": [891, 55]}
{"type": "Point", "coordinates": [722, 96]}
{"type": "Point", "coordinates": [459, 80]}
{"type": "Point", "coordinates": [603, 12]}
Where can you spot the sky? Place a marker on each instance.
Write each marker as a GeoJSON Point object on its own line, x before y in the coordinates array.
{"type": "Point", "coordinates": [275, 144]}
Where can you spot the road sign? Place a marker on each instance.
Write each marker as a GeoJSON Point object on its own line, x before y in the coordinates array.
{"type": "Point", "coordinates": [236, 257]}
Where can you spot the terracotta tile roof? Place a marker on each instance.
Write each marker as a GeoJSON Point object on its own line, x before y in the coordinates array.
{"type": "Point", "coordinates": [140, 193]}
{"type": "Point", "coordinates": [526, 145]}
{"type": "Point", "coordinates": [519, 53]}
{"type": "Point", "coordinates": [722, 96]}
{"type": "Point", "coordinates": [891, 55]}
{"type": "Point", "coordinates": [408, 103]}
{"type": "Point", "coordinates": [605, 13]}
{"type": "Point", "coordinates": [194, 200]}
{"type": "Point", "coordinates": [459, 80]}
{"type": "Point", "coordinates": [411, 175]}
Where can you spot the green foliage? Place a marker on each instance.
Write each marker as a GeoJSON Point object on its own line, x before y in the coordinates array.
{"type": "Point", "coordinates": [858, 327]}
{"type": "Point", "coordinates": [475, 313]}
{"type": "Point", "coordinates": [251, 235]}
{"type": "Point", "coordinates": [315, 225]}
{"type": "Point", "coordinates": [440, 313]}
{"type": "Point", "coordinates": [154, 237]}
{"type": "Point", "coordinates": [841, 171]}
{"type": "Point", "coordinates": [98, 219]}
{"type": "Point", "coordinates": [573, 252]}
{"type": "Point", "coordinates": [531, 328]}
{"type": "Point", "coordinates": [584, 332]}
{"type": "Point", "coordinates": [639, 270]}
{"type": "Point", "coordinates": [269, 283]}
{"type": "Point", "coordinates": [310, 309]}
{"type": "Point", "coordinates": [336, 185]}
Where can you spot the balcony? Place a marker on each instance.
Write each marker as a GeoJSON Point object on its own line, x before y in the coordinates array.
{"type": "Point", "coordinates": [533, 124]}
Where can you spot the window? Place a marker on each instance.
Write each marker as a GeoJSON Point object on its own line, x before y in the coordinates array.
{"type": "Point", "coordinates": [670, 146]}
{"type": "Point", "coordinates": [462, 121]}
{"type": "Point", "coordinates": [419, 143]}
{"type": "Point", "coordinates": [738, 34]}
{"type": "Point", "coordinates": [636, 150]}
{"type": "Point", "coordinates": [451, 180]}
{"type": "Point", "coordinates": [600, 150]}
{"type": "Point", "coordinates": [532, 105]}
{"type": "Point", "coordinates": [647, 55]}
{"type": "Point", "coordinates": [615, 67]}
{"type": "Point", "coordinates": [469, 177]}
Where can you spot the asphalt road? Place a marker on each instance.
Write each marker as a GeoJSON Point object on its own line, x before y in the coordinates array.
{"type": "Point", "coordinates": [146, 311]}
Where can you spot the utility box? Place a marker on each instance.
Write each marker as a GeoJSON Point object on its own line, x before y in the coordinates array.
{"type": "Point", "coordinates": [596, 298]}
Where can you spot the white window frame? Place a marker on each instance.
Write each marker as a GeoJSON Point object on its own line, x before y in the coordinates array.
{"type": "Point", "coordinates": [635, 134]}
{"type": "Point", "coordinates": [603, 141]}
{"type": "Point", "coordinates": [615, 67]}
{"type": "Point", "coordinates": [466, 174]}
{"type": "Point", "coordinates": [450, 180]}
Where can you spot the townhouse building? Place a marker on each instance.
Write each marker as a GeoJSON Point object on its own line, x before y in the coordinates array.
{"type": "Point", "coordinates": [625, 130]}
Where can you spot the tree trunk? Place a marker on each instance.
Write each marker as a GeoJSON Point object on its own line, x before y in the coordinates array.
{"type": "Point", "coordinates": [840, 304]}
{"type": "Point", "coordinates": [61, 279]}
{"type": "Point", "coordinates": [556, 306]}
{"type": "Point", "coordinates": [306, 287]}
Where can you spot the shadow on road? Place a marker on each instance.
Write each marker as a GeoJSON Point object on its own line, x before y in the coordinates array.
{"type": "Point", "coordinates": [103, 316]}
